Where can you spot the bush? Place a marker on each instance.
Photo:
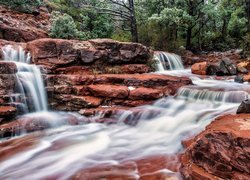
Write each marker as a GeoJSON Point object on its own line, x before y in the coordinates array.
{"type": "Point", "coordinates": [26, 6]}
{"type": "Point", "coordinates": [63, 26]}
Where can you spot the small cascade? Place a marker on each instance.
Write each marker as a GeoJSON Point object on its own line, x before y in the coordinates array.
{"type": "Point", "coordinates": [29, 80]}
{"type": "Point", "coordinates": [168, 61]}
{"type": "Point", "coordinates": [214, 96]}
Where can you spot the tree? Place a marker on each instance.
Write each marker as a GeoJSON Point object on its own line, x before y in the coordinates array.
{"type": "Point", "coordinates": [89, 22]}
{"type": "Point", "coordinates": [123, 11]}
{"type": "Point", "coordinates": [26, 6]}
{"type": "Point", "coordinates": [63, 26]}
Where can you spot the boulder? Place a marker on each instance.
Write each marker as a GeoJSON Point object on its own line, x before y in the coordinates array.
{"type": "Point", "coordinates": [244, 107]}
{"type": "Point", "coordinates": [242, 70]}
{"type": "Point", "coordinates": [200, 68]}
{"type": "Point", "coordinates": [227, 67]}
{"type": "Point", "coordinates": [212, 69]}
{"type": "Point", "coordinates": [221, 151]}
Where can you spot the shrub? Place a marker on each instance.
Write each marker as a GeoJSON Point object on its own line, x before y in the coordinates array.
{"type": "Point", "coordinates": [26, 6]}
{"type": "Point", "coordinates": [63, 26]}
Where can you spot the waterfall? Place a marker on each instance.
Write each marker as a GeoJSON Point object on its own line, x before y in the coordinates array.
{"type": "Point", "coordinates": [29, 79]}
{"type": "Point", "coordinates": [168, 61]}
{"type": "Point", "coordinates": [213, 96]}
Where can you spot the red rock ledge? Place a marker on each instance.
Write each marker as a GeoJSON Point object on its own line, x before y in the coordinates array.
{"type": "Point", "coordinates": [221, 151]}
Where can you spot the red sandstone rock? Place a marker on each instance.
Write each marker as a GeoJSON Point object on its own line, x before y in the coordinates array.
{"type": "Point", "coordinates": [148, 168]}
{"type": "Point", "coordinates": [221, 151]}
{"type": "Point", "coordinates": [79, 101]}
{"type": "Point", "coordinates": [7, 83]}
{"type": "Point", "coordinates": [14, 146]}
{"type": "Point", "coordinates": [213, 57]}
{"type": "Point", "coordinates": [133, 103]}
{"type": "Point", "coordinates": [112, 91]}
{"type": "Point", "coordinates": [113, 88]}
{"type": "Point", "coordinates": [8, 68]}
{"type": "Point", "coordinates": [57, 53]}
{"type": "Point", "coordinates": [246, 78]}
{"type": "Point", "coordinates": [7, 111]}
{"type": "Point", "coordinates": [135, 68]}
{"type": "Point", "coordinates": [200, 68]}
{"type": "Point", "coordinates": [36, 123]}
{"type": "Point", "coordinates": [74, 70]}
{"type": "Point", "coordinates": [21, 27]}
{"type": "Point", "coordinates": [142, 93]}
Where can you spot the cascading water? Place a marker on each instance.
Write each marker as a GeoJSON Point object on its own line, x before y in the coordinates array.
{"type": "Point", "coordinates": [61, 152]}
{"type": "Point", "coordinates": [168, 61]}
{"type": "Point", "coordinates": [29, 79]}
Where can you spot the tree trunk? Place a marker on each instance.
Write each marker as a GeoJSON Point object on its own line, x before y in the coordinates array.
{"type": "Point", "coordinates": [188, 40]}
{"type": "Point", "coordinates": [248, 13]}
{"type": "Point", "coordinates": [133, 22]}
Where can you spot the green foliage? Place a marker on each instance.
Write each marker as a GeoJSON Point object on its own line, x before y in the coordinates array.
{"type": "Point", "coordinates": [212, 25]}
{"type": "Point", "coordinates": [121, 36]}
{"type": "Point", "coordinates": [63, 26]}
{"type": "Point", "coordinates": [89, 23]}
{"type": "Point", "coordinates": [26, 6]}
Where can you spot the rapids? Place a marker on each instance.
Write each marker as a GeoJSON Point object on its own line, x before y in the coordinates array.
{"type": "Point", "coordinates": [62, 151]}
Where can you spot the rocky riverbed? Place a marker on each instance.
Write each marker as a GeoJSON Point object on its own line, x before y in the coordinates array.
{"type": "Point", "coordinates": [113, 114]}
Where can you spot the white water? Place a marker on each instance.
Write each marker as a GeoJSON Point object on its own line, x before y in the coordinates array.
{"type": "Point", "coordinates": [63, 151]}
{"type": "Point", "coordinates": [29, 79]}
{"type": "Point", "coordinates": [94, 144]}
{"type": "Point", "coordinates": [168, 61]}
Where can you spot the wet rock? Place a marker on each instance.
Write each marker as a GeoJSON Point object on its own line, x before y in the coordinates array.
{"type": "Point", "coordinates": [145, 94]}
{"type": "Point", "coordinates": [227, 67]}
{"type": "Point", "coordinates": [211, 57]}
{"type": "Point", "coordinates": [212, 69]}
{"type": "Point", "coordinates": [112, 91]}
{"type": "Point", "coordinates": [36, 123]}
{"type": "Point", "coordinates": [7, 83]}
{"type": "Point", "coordinates": [246, 78]}
{"type": "Point", "coordinates": [239, 79]}
{"type": "Point", "coordinates": [200, 68]}
{"type": "Point", "coordinates": [21, 27]}
{"type": "Point", "coordinates": [79, 101]}
{"type": "Point", "coordinates": [7, 113]}
{"type": "Point", "coordinates": [221, 151]}
{"type": "Point", "coordinates": [242, 70]}
{"type": "Point", "coordinates": [244, 107]}
{"type": "Point", "coordinates": [8, 68]}
{"type": "Point", "coordinates": [14, 146]}
{"type": "Point", "coordinates": [147, 168]}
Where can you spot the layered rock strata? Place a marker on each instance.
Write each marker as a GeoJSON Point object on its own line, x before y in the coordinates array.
{"type": "Point", "coordinates": [222, 151]}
